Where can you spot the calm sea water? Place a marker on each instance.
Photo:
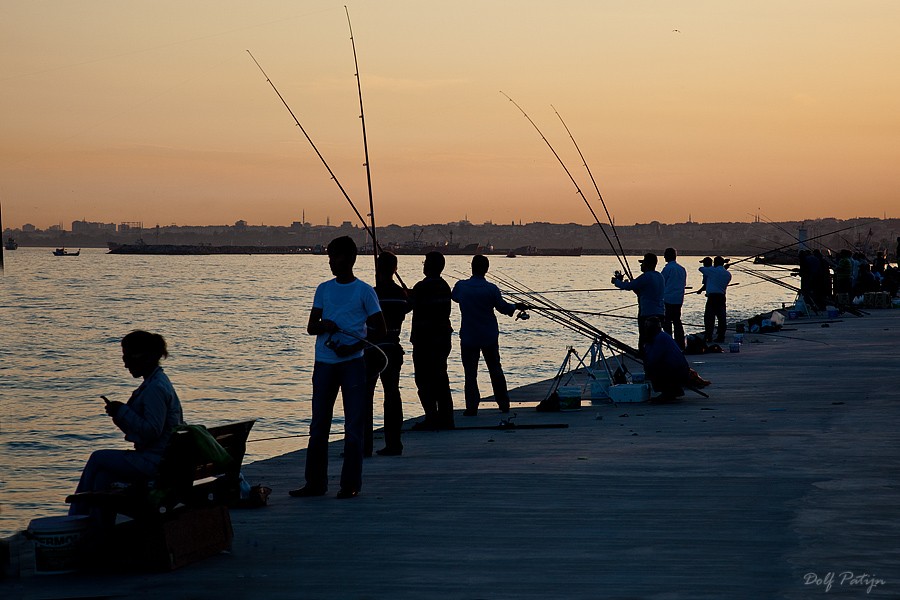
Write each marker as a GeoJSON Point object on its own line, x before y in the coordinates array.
{"type": "Point", "coordinates": [238, 347]}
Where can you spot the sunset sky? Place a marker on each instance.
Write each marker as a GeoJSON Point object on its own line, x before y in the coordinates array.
{"type": "Point", "coordinates": [154, 111]}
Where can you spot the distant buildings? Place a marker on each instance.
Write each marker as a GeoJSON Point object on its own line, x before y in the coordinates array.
{"type": "Point", "coordinates": [732, 239]}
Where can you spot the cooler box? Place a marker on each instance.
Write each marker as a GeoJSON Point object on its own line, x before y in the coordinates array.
{"type": "Point", "coordinates": [600, 388]}
{"type": "Point", "coordinates": [629, 392]}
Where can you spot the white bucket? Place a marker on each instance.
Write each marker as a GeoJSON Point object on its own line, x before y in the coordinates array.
{"type": "Point", "coordinates": [57, 542]}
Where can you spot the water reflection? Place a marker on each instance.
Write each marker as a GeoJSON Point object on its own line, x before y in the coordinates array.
{"type": "Point", "coordinates": [236, 328]}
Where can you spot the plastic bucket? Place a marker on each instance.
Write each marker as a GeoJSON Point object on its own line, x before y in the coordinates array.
{"type": "Point", "coordinates": [734, 347]}
{"type": "Point", "coordinates": [57, 542]}
{"type": "Point", "coordinates": [569, 397]}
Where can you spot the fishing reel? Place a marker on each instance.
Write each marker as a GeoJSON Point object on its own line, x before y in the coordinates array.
{"type": "Point", "coordinates": [618, 276]}
{"type": "Point", "coordinates": [522, 307]}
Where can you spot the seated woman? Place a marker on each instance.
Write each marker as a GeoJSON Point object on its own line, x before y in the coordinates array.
{"type": "Point", "coordinates": [147, 420]}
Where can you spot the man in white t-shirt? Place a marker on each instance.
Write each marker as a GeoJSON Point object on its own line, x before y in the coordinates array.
{"type": "Point", "coordinates": [344, 310]}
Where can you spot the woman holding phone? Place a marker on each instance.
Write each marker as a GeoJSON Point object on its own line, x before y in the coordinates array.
{"type": "Point", "coordinates": [147, 420]}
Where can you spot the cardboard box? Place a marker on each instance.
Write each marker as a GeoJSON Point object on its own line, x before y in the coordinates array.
{"type": "Point", "coordinates": [182, 537]}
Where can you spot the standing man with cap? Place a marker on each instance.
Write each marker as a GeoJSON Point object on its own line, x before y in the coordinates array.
{"type": "Point", "coordinates": [715, 281]}
{"type": "Point", "coordinates": [648, 286]}
{"type": "Point", "coordinates": [675, 279]}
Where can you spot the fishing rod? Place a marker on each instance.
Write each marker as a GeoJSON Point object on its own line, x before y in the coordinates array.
{"type": "Point", "coordinates": [623, 263]}
{"type": "Point", "coordinates": [769, 221]}
{"type": "Point", "coordinates": [575, 323]}
{"type": "Point", "coordinates": [311, 143]}
{"type": "Point", "coordinates": [596, 187]}
{"type": "Point", "coordinates": [807, 240]}
{"type": "Point", "coordinates": [771, 279]}
{"type": "Point", "coordinates": [577, 326]}
{"type": "Point", "coordinates": [589, 290]}
{"type": "Point", "coordinates": [362, 119]}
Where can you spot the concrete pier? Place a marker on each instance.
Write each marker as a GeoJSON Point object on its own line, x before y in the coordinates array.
{"type": "Point", "coordinates": [785, 483]}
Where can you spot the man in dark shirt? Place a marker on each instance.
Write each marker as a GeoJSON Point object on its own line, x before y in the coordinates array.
{"type": "Point", "coordinates": [395, 305]}
{"type": "Point", "coordinates": [430, 339]}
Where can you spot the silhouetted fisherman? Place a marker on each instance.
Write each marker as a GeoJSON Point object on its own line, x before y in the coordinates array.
{"type": "Point", "coordinates": [479, 334]}
{"type": "Point", "coordinates": [649, 287]}
{"type": "Point", "coordinates": [430, 337]}
{"type": "Point", "coordinates": [395, 305]}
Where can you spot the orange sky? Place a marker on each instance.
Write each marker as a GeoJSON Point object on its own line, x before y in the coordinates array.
{"type": "Point", "coordinates": [154, 111]}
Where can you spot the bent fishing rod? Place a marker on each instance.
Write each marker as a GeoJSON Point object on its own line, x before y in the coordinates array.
{"type": "Point", "coordinates": [596, 187]}
{"type": "Point", "coordinates": [623, 263]}
{"type": "Point", "coordinates": [362, 120]}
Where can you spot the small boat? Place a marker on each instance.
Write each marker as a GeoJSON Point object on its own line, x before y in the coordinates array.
{"type": "Point", "coordinates": [11, 244]}
{"type": "Point", "coordinates": [64, 252]}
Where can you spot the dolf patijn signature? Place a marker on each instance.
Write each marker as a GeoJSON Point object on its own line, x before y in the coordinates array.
{"type": "Point", "coordinates": [844, 578]}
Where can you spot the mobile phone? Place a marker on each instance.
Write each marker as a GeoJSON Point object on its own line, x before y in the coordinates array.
{"type": "Point", "coordinates": [105, 399]}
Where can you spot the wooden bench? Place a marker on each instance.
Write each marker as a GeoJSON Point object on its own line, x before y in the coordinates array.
{"type": "Point", "coordinates": [181, 516]}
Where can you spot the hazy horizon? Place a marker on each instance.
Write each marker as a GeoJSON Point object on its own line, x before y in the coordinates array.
{"type": "Point", "coordinates": [155, 112]}
{"type": "Point", "coordinates": [866, 221]}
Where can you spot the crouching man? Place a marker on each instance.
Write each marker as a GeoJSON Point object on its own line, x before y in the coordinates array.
{"type": "Point", "coordinates": [664, 363]}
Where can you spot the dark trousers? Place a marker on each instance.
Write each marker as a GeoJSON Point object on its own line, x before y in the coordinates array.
{"type": "Point", "coordinates": [432, 382]}
{"type": "Point", "coordinates": [672, 323]}
{"type": "Point", "coordinates": [715, 314]}
{"type": "Point", "coordinates": [470, 356]}
{"type": "Point", "coordinates": [350, 378]}
{"type": "Point", "coordinates": [390, 383]}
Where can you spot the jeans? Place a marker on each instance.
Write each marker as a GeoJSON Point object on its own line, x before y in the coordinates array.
{"type": "Point", "coordinates": [350, 377]}
{"type": "Point", "coordinates": [470, 355]}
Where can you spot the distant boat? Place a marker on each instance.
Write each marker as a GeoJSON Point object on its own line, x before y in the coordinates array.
{"type": "Point", "coordinates": [11, 244]}
{"type": "Point", "coordinates": [64, 252]}
{"type": "Point", "coordinates": [533, 251]}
